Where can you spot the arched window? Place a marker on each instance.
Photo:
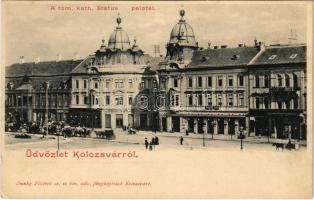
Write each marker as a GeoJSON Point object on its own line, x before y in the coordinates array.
{"type": "Point", "coordinates": [266, 81]}
{"type": "Point", "coordinates": [279, 80]}
{"type": "Point", "coordinates": [257, 81]}
{"type": "Point", "coordinates": [287, 80]}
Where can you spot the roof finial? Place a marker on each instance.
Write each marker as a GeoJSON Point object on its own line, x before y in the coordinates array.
{"type": "Point", "coordinates": [182, 11]}
{"type": "Point", "coordinates": [134, 40]}
{"type": "Point", "coordinates": [103, 40]}
{"type": "Point", "coordinates": [119, 19]}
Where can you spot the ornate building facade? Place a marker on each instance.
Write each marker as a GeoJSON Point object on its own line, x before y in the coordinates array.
{"type": "Point", "coordinates": [113, 88]}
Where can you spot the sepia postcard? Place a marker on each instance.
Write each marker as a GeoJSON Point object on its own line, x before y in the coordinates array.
{"type": "Point", "coordinates": [156, 99]}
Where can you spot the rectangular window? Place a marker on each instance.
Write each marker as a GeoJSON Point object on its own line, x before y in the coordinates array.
{"type": "Point", "coordinates": [175, 82]}
{"type": "Point", "coordinates": [209, 81]}
{"type": "Point", "coordinates": [219, 101]}
{"type": "Point", "coordinates": [107, 100]}
{"type": "Point", "coordinates": [230, 81]}
{"type": "Point", "coordinates": [190, 82]}
{"type": "Point", "coordinates": [107, 84]}
{"type": "Point", "coordinates": [130, 83]}
{"type": "Point", "coordinates": [209, 100]}
{"type": "Point", "coordinates": [199, 81]}
{"type": "Point", "coordinates": [230, 100]}
{"type": "Point", "coordinates": [258, 102]}
{"type": "Point", "coordinates": [200, 100]}
{"type": "Point", "coordinates": [119, 83]}
{"type": "Point", "coordinates": [266, 103]}
{"type": "Point", "coordinates": [119, 100]}
{"type": "Point", "coordinates": [190, 100]}
{"type": "Point", "coordinates": [219, 81]}
{"type": "Point", "coordinates": [77, 99]}
{"type": "Point", "coordinates": [241, 81]}
{"type": "Point", "coordinates": [241, 100]}
{"type": "Point", "coordinates": [130, 100]}
{"type": "Point", "coordinates": [77, 84]}
{"type": "Point", "coordinates": [108, 121]}
{"type": "Point", "coordinates": [96, 85]}
{"type": "Point", "coordinates": [84, 84]}
{"type": "Point", "coordinates": [85, 100]}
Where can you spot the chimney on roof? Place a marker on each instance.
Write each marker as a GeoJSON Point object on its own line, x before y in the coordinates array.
{"type": "Point", "coordinates": [223, 46]}
{"type": "Point", "coordinates": [58, 57]}
{"type": "Point", "coordinates": [240, 45]}
{"type": "Point", "coordinates": [76, 56]}
{"type": "Point", "coordinates": [216, 47]}
{"type": "Point", "coordinates": [21, 59]}
{"type": "Point", "coordinates": [37, 60]}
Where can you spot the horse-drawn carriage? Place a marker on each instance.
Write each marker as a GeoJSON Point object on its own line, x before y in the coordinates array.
{"type": "Point", "coordinates": [105, 134]}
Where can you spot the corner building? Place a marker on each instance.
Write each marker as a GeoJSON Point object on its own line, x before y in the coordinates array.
{"type": "Point", "coordinates": [113, 88]}
{"type": "Point", "coordinates": [205, 90]}
{"type": "Point", "coordinates": [278, 92]}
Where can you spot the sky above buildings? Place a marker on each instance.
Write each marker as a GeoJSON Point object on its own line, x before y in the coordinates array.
{"type": "Point", "coordinates": [33, 29]}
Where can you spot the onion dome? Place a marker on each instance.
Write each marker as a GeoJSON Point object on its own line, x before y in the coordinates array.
{"type": "Point", "coordinates": [182, 33]}
{"type": "Point", "coordinates": [119, 39]}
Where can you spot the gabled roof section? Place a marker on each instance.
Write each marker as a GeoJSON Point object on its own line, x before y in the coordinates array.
{"type": "Point", "coordinates": [281, 55]}
{"type": "Point", "coordinates": [223, 57]}
{"type": "Point", "coordinates": [47, 68]}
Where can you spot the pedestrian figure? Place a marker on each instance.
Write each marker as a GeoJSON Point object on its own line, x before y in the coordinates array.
{"type": "Point", "coordinates": [150, 146]}
{"type": "Point", "coordinates": [153, 142]}
{"type": "Point", "coordinates": [156, 140]}
{"type": "Point", "coordinates": [187, 132]}
{"type": "Point", "coordinates": [146, 143]}
{"type": "Point", "coordinates": [181, 140]}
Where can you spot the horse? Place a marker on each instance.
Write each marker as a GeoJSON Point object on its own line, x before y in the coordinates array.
{"type": "Point", "coordinates": [278, 145]}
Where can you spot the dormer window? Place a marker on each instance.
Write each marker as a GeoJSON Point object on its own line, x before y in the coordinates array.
{"type": "Point", "coordinates": [272, 57]}
{"type": "Point", "coordinates": [203, 59]}
{"type": "Point", "coordinates": [235, 57]}
{"type": "Point", "coordinates": [293, 56]}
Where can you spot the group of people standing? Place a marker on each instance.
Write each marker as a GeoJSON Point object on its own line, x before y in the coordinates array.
{"type": "Point", "coordinates": [151, 145]}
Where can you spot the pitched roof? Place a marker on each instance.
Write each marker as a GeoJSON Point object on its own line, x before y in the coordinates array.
{"type": "Point", "coordinates": [281, 55]}
{"type": "Point", "coordinates": [146, 60]}
{"type": "Point", "coordinates": [237, 56]}
{"type": "Point", "coordinates": [63, 67]}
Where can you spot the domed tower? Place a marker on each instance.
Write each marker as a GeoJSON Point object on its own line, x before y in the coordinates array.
{"type": "Point", "coordinates": [119, 50]}
{"type": "Point", "coordinates": [182, 41]}
{"type": "Point", "coordinates": [119, 39]}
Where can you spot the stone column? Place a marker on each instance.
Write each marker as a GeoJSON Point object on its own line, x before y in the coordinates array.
{"type": "Point", "coordinates": [103, 120]}
{"type": "Point", "coordinates": [226, 126]}
{"type": "Point", "coordinates": [169, 124]}
{"type": "Point", "coordinates": [215, 126]}
{"type": "Point", "coordinates": [195, 125]}
{"type": "Point", "coordinates": [236, 122]}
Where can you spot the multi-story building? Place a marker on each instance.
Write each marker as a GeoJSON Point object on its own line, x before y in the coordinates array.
{"type": "Point", "coordinates": [277, 86]}
{"type": "Point", "coordinates": [28, 96]}
{"type": "Point", "coordinates": [113, 88]}
{"type": "Point", "coordinates": [205, 89]}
